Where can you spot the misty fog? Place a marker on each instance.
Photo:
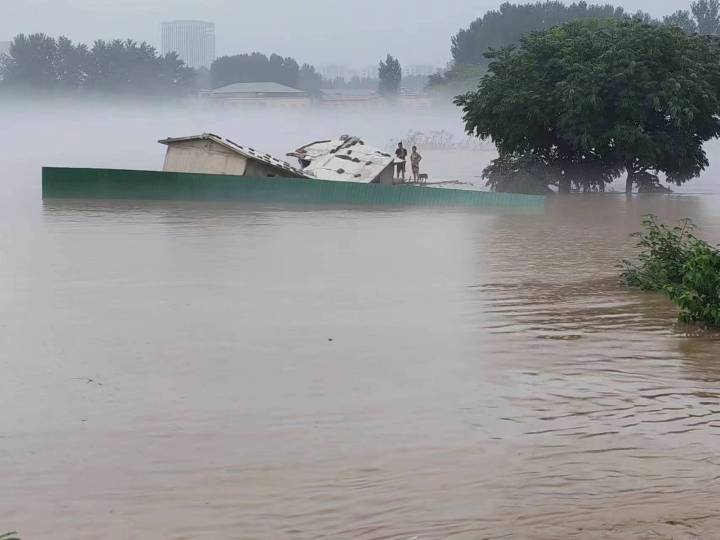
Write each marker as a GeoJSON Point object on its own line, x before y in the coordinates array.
{"type": "Point", "coordinates": [320, 31]}
{"type": "Point", "coordinates": [123, 134]}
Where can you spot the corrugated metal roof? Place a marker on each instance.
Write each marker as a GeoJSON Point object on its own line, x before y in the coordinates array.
{"type": "Point", "coordinates": [244, 151]}
{"type": "Point", "coordinates": [256, 88]}
{"type": "Point", "coordinates": [348, 159]}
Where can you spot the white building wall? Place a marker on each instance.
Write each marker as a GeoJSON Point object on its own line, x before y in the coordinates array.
{"type": "Point", "coordinates": [204, 157]}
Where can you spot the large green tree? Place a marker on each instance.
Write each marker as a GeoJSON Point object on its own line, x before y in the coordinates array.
{"type": "Point", "coordinates": [593, 98]}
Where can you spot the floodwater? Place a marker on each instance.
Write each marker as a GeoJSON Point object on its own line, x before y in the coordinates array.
{"type": "Point", "coordinates": [207, 371]}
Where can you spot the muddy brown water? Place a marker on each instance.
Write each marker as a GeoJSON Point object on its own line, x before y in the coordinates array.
{"type": "Point", "coordinates": [204, 371]}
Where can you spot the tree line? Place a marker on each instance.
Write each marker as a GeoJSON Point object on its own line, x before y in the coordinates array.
{"type": "Point", "coordinates": [504, 27]}
{"type": "Point", "coordinates": [41, 62]}
{"type": "Point", "coordinates": [257, 67]}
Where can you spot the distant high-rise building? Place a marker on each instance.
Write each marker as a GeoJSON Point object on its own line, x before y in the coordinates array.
{"type": "Point", "coordinates": [193, 41]}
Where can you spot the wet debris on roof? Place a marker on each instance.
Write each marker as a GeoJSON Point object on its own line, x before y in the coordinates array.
{"type": "Point", "coordinates": [347, 158]}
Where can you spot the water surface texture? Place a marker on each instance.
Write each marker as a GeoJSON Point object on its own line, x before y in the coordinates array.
{"type": "Point", "coordinates": [195, 370]}
{"type": "Point", "coordinates": [212, 371]}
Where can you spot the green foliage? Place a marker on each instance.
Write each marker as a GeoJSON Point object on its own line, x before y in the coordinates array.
{"type": "Point", "coordinates": [707, 16]}
{"type": "Point", "coordinates": [40, 62]}
{"type": "Point", "coordinates": [703, 18]}
{"type": "Point", "coordinates": [594, 98]}
{"type": "Point", "coordinates": [255, 67]}
{"type": "Point", "coordinates": [390, 75]}
{"type": "Point", "coordinates": [502, 28]}
{"type": "Point", "coordinates": [673, 261]}
{"type": "Point", "coordinates": [684, 20]}
{"type": "Point", "coordinates": [9, 536]}
{"type": "Point", "coordinates": [698, 295]}
{"type": "Point", "coordinates": [505, 26]}
{"type": "Point", "coordinates": [664, 253]}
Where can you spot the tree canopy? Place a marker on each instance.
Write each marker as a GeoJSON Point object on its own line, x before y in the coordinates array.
{"type": "Point", "coordinates": [590, 99]}
{"type": "Point", "coordinates": [390, 75]}
{"type": "Point", "coordinates": [503, 27]}
{"type": "Point", "coordinates": [702, 18]}
{"type": "Point", "coordinates": [255, 67]}
{"type": "Point", "coordinates": [41, 62]}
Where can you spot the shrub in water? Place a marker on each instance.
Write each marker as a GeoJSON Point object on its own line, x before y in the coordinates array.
{"type": "Point", "coordinates": [664, 252]}
{"type": "Point", "coordinates": [673, 261]}
{"type": "Point", "coordinates": [698, 296]}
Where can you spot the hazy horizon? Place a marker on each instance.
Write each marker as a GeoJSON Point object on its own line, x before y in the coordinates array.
{"type": "Point", "coordinates": [325, 33]}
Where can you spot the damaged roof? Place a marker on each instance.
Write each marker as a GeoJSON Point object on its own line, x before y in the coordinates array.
{"type": "Point", "coordinates": [347, 158]}
{"type": "Point", "coordinates": [245, 151]}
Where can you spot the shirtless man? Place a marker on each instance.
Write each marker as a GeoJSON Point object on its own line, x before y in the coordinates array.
{"type": "Point", "coordinates": [401, 154]}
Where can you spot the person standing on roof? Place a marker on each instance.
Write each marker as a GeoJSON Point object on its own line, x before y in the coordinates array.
{"type": "Point", "coordinates": [415, 159]}
{"type": "Point", "coordinates": [401, 157]}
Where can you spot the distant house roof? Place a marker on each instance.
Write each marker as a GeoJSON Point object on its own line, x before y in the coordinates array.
{"type": "Point", "coordinates": [245, 151]}
{"type": "Point", "coordinates": [256, 88]}
{"type": "Point", "coordinates": [347, 158]}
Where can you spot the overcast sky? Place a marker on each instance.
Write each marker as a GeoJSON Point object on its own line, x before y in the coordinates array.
{"type": "Point", "coordinates": [356, 33]}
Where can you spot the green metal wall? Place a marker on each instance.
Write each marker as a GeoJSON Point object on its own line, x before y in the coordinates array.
{"type": "Point", "coordinates": [155, 185]}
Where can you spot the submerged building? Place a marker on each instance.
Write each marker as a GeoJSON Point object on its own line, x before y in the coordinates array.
{"type": "Point", "coordinates": [346, 159]}
{"type": "Point", "coordinates": [212, 154]}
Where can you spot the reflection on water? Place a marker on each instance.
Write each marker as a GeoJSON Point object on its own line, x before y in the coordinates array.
{"type": "Point", "coordinates": [195, 370]}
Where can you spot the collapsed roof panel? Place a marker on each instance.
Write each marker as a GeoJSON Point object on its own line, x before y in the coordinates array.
{"type": "Point", "coordinates": [348, 159]}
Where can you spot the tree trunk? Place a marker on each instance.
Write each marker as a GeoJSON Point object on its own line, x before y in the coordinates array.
{"type": "Point", "coordinates": [630, 178]}
{"type": "Point", "coordinates": [564, 186]}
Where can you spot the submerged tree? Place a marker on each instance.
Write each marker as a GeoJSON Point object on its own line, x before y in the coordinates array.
{"type": "Point", "coordinates": [594, 98]}
{"type": "Point", "coordinates": [390, 74]}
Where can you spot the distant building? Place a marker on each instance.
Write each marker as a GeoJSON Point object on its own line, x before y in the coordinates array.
{"type": "Point", "coordinates": [259, 93]}
{"type": "Point", "coordinates": [193, 41]}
